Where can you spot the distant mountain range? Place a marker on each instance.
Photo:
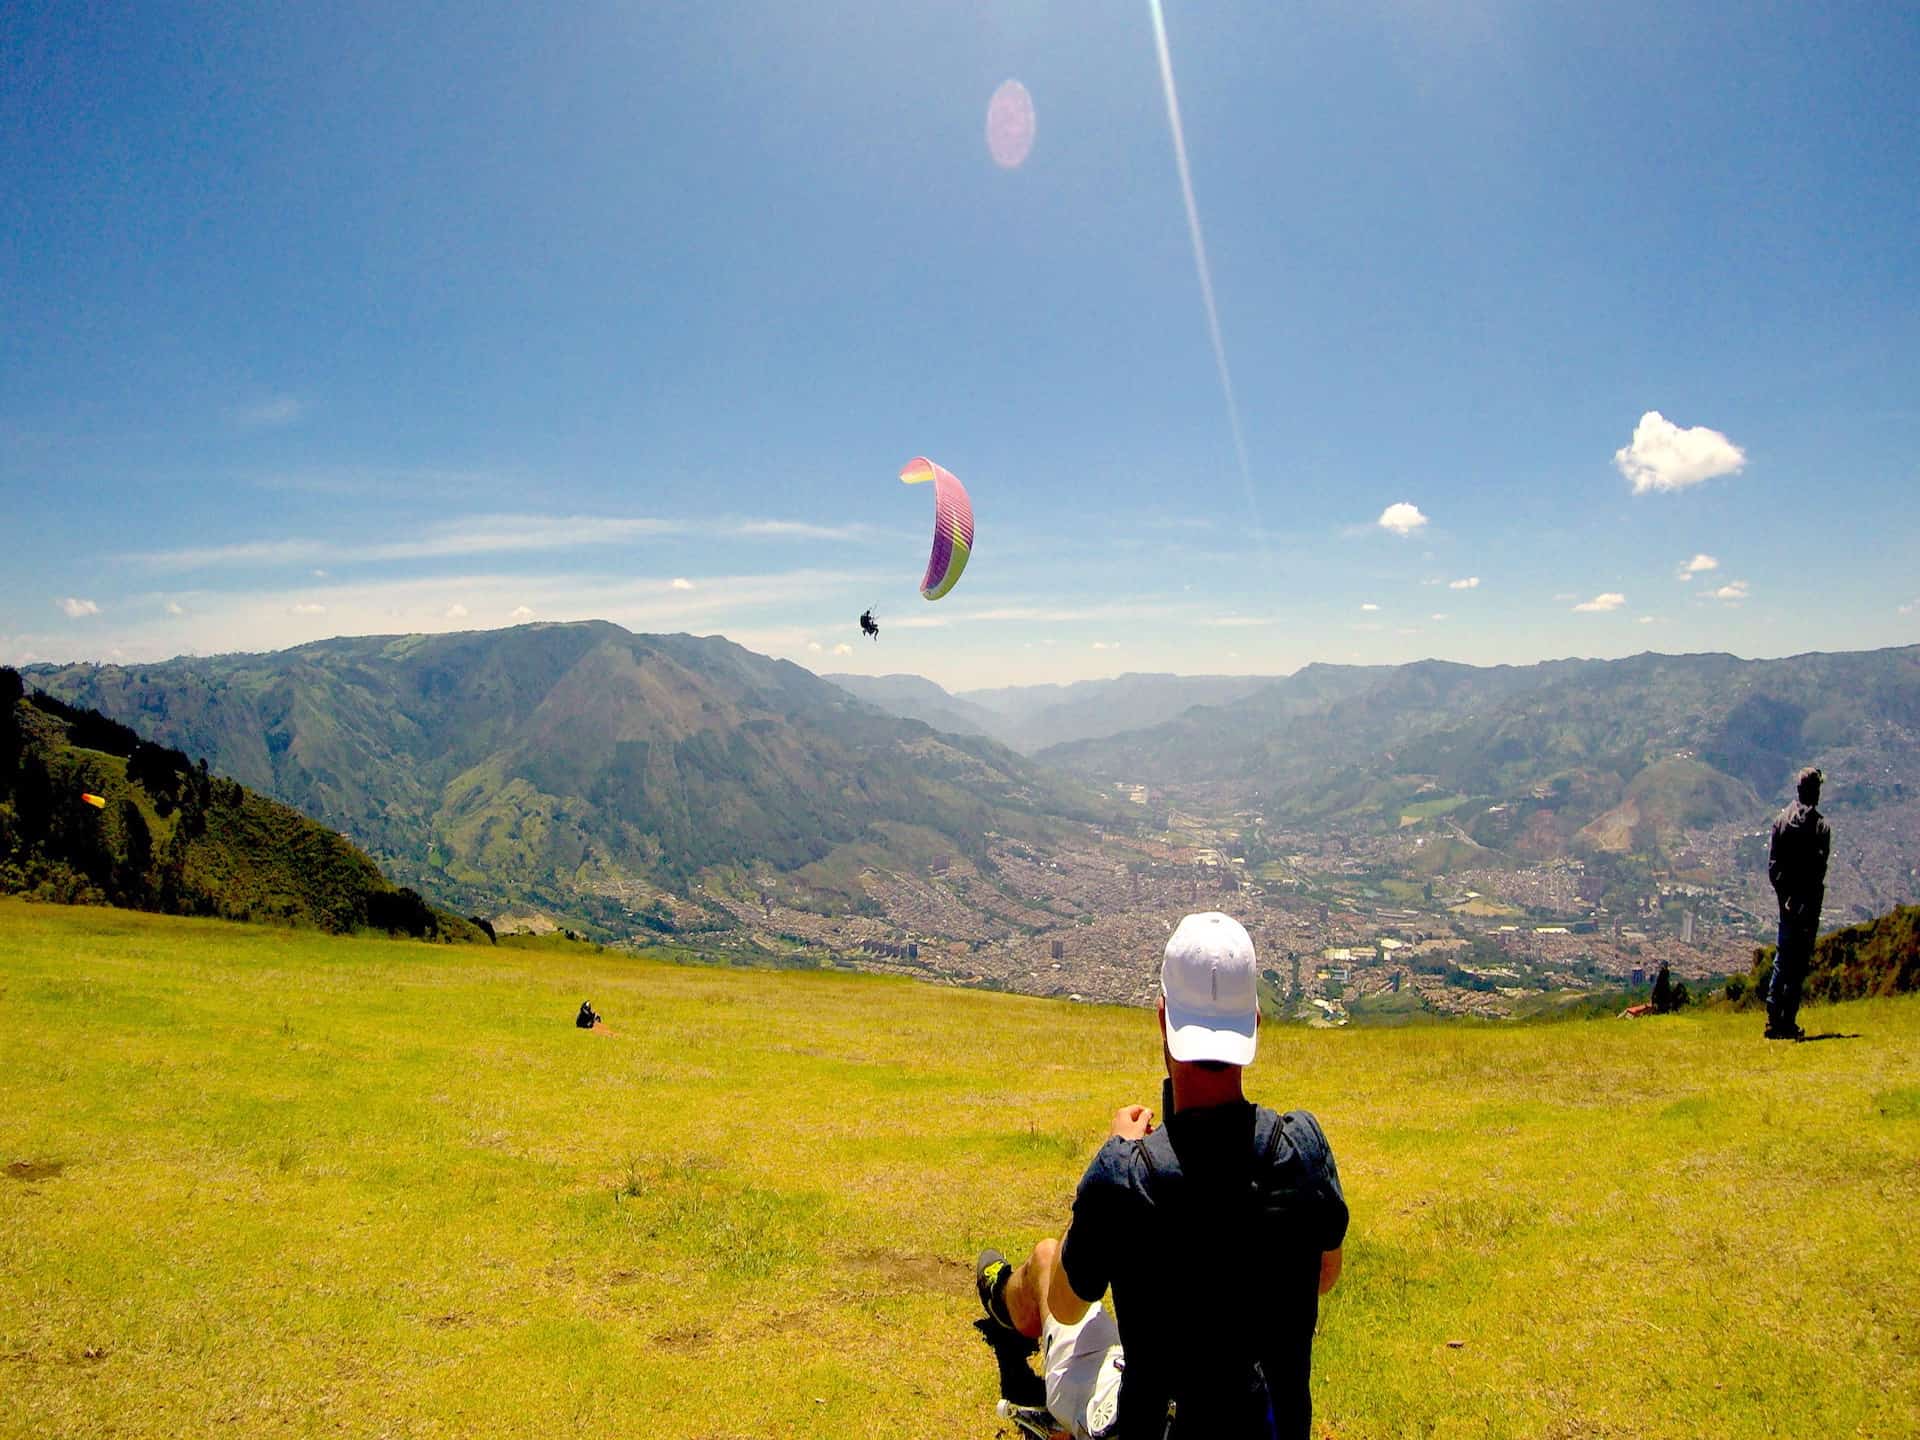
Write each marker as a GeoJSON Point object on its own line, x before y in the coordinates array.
{"type": "Point", "coordinates": [580, 768]}
{"type": "Point", "coordinates": [1639, 756]}
{"type": "Point", "coordinates": [1029, 718]}
{"type": "Point", "coordinates": [616, 778]}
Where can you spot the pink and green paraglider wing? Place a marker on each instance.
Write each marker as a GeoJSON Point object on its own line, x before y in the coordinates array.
{"type": "Point", "coordinates": [952, 525]}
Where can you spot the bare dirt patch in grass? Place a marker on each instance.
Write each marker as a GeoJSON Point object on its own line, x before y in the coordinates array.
{"type": "Point", "coordinates": [691, 1339]}
{"type": "Point", "coordinates": [911, 1272]}
{"type": "Point", "coordinates": [30, 1170]}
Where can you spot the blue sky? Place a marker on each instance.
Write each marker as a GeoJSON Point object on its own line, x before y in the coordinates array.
{"type": "Point", "coordinates": [395, 318]}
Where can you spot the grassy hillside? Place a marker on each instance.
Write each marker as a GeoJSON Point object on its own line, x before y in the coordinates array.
{"type": "Point", "coordinates": [262, 1182]}
{"type": "Point", "coordinates": [170, 836]}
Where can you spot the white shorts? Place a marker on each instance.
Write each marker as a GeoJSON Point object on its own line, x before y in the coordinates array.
{"type": "Point", "coordinates": [1084, 1363]}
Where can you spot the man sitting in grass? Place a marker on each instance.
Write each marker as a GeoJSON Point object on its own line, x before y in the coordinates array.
{"type": "Point", "coordinates": [1217, 1232]}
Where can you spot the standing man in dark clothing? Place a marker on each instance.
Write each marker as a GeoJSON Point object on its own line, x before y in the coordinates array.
{"type": "Point", "coordinates": [1218, 1233]}
{"type": "Point", "coordinates": [1797, 867]}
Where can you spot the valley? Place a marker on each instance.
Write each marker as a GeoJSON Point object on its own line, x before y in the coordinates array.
{"type": "Point", "coordinates": [1404, 842]}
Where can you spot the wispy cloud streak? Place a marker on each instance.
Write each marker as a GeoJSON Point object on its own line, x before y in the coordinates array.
{"type": "Point", "coordinates": [1200, 254]}
{"type": "Point", "coordinates": [490, 535]}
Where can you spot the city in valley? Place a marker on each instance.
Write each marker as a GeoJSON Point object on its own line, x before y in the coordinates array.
{"type": "Point", "coordinates": [1350, 926]}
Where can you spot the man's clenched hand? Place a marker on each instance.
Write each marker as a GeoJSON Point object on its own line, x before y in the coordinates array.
{"type": "Point", "coordinates": [1133, 1122]}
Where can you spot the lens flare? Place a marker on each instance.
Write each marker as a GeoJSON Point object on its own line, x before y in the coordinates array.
{"type": "Point", "coordinates": [1010, 125]}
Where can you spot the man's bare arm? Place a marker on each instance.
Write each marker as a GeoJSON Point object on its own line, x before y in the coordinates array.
{"type": "Point", "coordinates": [1329, 1270]}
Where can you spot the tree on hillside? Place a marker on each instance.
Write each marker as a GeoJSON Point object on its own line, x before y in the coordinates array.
{"type": "Point", "coordinates": [11, 689]}
{"type": "Point", "coordinates": [132, 882]}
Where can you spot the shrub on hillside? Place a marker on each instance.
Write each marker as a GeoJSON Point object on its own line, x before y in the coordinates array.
{"type": "Point", "coordinates": [1877, 957]}
{"type": "Point", "coordinates": [402, 912]}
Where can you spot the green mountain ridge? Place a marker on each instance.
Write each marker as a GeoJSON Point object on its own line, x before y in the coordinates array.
{"type": "Point", "coordinates": [577, 767]}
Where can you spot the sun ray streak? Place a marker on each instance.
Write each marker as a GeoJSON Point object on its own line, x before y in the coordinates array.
{"type": "Point", "coordinates": [1200, 256]}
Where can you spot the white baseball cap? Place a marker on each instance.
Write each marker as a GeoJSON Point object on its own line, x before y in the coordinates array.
{"type": "Point", "coordinates": [1213, 999]}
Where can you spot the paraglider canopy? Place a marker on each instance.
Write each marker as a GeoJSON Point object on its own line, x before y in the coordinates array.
{"type": "Point", "coordinates": [99, 802]}
{"type": "Point", "coordinates": [952, 525]}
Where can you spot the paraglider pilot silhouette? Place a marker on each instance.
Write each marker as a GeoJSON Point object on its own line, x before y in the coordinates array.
{"type": "Point", "coordinates": [868, 625]}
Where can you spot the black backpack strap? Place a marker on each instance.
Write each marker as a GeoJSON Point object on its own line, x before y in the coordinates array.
{"type": "Point", "coordinates": [1161, 1160]}
{"type": "Point", "coordinates": [1266, 1137]}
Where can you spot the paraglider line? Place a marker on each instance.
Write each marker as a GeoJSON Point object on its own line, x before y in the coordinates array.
{"type": "Point", "coordinates": [1200, 257]}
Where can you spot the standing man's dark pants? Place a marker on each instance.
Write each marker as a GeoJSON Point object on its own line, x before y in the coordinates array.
{"type": "Point", "coordinates": [1798, 926]}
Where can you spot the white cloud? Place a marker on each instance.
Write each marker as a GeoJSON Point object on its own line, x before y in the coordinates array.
{"type": "Point", "coordinates": [457, 612]}
{"type": "Point", "coordinates": [1368, 606]}
{"type": "Point", "coordinates": [77, 608]}
{"type": "Point", "coordinates": [520, 614]}
{"type": "Point", "coordinates": [306, 607]}
{"type": "Point", "coordinates": [843, 648]}
{"type": "Point", "coordinates": [486, 535]}
{"type": "Point", "coordinates": [1439, 617]}
{"type": "Point", "coordinates": [1472, 582]}
{"type": "Point", "coordinates": [174, 607]}
{"type": "Point", "coordinates": [472, 535]}
{"type": "Point", "coordinates": [271, 413]}
{"type": "Point", "coordinates": [813, 646]}
{"type": "Point", "coordinates": [1644, 620]}
{"type": "Point", "coordinates": [1698, 565]}
{"type": "Point", "coordinates": [1732, 590]}
{"type": "Point", "coordinates": [1566, 595]}
{"type": "Point", "coordinates": [799, 530]}
{"type": "Point", "coordinates": [680, 582]}
{"type": "Point", "coordinates": [1599, 604]}
{"type": "Point", "coordinates": [1910, 607]}
{"type": "Point", "coordinates": [1665, 457]}
{"type": "Point", "coordinates": [1234, 622]}
{"type": "Point", "coordinates": [1068, 614]}
{"type": "Point", "coordinates": [1401, 517]}
{"type": "Point", "coordinates": [1105, 645]}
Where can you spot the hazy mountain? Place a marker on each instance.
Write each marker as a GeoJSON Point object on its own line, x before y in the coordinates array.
{"type": "Point", "coordinates": [171, 836]}
{"type": "Point", "coordinates": [577, 767]}
{"type": "Point", "coordinates": [912, 698]}
{"type": "Point", "coordinates": [1622, 756]}
{"type": "Point", "coordinates": [1032, 717]}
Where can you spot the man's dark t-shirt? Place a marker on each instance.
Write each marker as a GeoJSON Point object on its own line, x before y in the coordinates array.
{"type": "Point", "coordinates": [1215, 1268]}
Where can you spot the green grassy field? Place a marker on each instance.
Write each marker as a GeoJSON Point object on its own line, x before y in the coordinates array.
{"type": "Point", "coordinates": [263, 1183]}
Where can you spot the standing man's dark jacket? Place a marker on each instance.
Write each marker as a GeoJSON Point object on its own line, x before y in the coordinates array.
{"type": "Point", "coordinates": [1797, 858]}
